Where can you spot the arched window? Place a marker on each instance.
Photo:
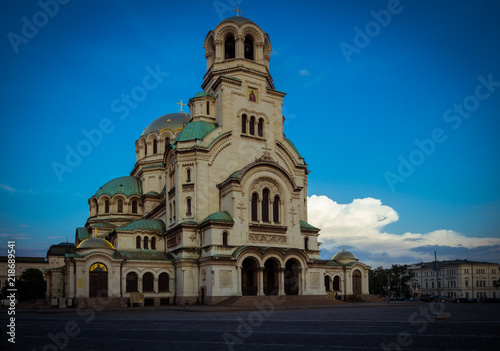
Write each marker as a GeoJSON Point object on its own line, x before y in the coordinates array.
{"type": "Point", "coordinates": [188, 207]}
{"type": "Point", "coordinates": [225, 237]}
{"type": "Point", "coordinates": [276, 209]}
{"type": "Point", "coordinates": [244, 124]}
{"type": "Point", "coordinates": [208, 107]}
{"type": "Point", "coordinates": [255, 201]}
{"type": "Point", "coordinates": [336, 283]}
{"type": "Point", "coordinates": [134, 206]}
{"type": "Point", "coordinates": [252, 125]}
{"type": "Point", "coordinates": [167, 143]}
{"type": "Point", "coordinates": [153, 243]}
{"type": "Point", "coordinates": [248, 48]}
{"type": "Point", "coordinates": [131, 282]}
{"type": "Point", "coordinates": [120, 206]}
{"type": "Point", "coordinates": [188, 175]}
{"type": "Point", "coordinates": [138, 242]}
{"type": "Point", "coordinates": [306, 244]}
{"type": "Point", "coordinates": [106, 206]}
{"type": "Point", "coordinates": [155, 147]}
{"type": "Point", "coordinates": [229, 48]}
{"type": "Point", "coordinates": [173, 208]}
{"type": "Point", "coordinates": [163, 282]}
{"type": "Point", "coordinates": [148, 282]}
{"type": "Point", "coordinates": [265, 205]}
{"type": "Point", "coordinates": [260, 128]}
{"type": "Point", "coordinates": [145, 148]}
{"type": "Point", "coordinates": [146, 243]}
{"type": "Point", "coordinates": [170, 212]}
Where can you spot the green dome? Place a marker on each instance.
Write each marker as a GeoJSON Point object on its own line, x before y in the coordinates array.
{"type": "Point", "coordinates": [344, 255]}
{"type": "Point", "coordinates": [95, 243]}
{"type": "Point", "coordinates": [172, 121]}
{"type": "Point", "coordinates": [238, 19]}
{"type": "Point", "coordinates": [123, 185]}
{"type": "Point", "coordinates": [195, 130]}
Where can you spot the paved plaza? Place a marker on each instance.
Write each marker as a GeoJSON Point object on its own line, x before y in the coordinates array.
{"type": "Point", "coordinates": [400, 326]}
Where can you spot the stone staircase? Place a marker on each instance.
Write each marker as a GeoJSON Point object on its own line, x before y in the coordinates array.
{"type": "Point", "coordinates": [287, 300]}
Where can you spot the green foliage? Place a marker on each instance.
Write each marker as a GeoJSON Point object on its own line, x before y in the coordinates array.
{"type": "Point", "coordinates": [31, 285]}
{"type": "Point", "coordinates": [399, 277]}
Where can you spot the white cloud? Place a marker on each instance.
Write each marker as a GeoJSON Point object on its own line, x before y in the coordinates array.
{"type": "Point", "coordinates": [7, 188]}
{"type": "Point", "coordinates": [360, 226]}
{"type": "Point", "coordinates": [304, 72]}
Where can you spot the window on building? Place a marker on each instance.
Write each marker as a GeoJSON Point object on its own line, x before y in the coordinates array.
{"type": "Point", "coordinates": [155, 147]}
{"type": "Point", "coordinates": [260, 128]}
{"type": "Point", "coordinates": [306, 244]}
{"type": "Point", "coordinates": [225, 237]}
{"type": "Point", "coordinates": [248, 48]}
{"type": "Point", "coordinates": [255, 202]}
{"type": "Point", "coordinates": [252, 125]}
{"type": "Point", "coordinates": [173, 208]}
{"type": "Point", "coordinates": [120, 206]}
{"type": "Point", "coordinates": [208, 107]}
{"type": "Point", "coordinates": [146, 243]}
{"type": "Point", "coordinates": [163, 282]}
{"type": "Point", "coordinates": [188, 175]}
{"type": "Point", "coordinates": [153, 243]}
{"type": "Point", "coordinates": [131, 282]}
{"type": "Point", "coordinates": [188, 207]}
{"type": "Point", "coordinates": [106, 206]}
{"type": "Point", "coordinates": [134, 206]}
{"type": "Point", "coordinates": [265, 205]}
{"type": "Point", "coordinates": [244, 124]}
{"type": "Point", "coordinates": [276, 209]}
{"type": "Point", "coordinates": [145, 148]}
{"type": "Point", "coordinates": [138, 242]}
{"type": "Point", "coordinates": [229, 48]}
{"type": "Point", "coordinates": [466, 283]}
{"type": "Point", "coordinates": [148, 282]}
{"type": "Point", "coordinates": [167, 143]}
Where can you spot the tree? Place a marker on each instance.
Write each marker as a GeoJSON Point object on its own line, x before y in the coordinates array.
{"type": "Point", "coordinates": [378, 281]}
{"type": "Point", "coordinates": [31, 285]}
{"type": "Point", "coordinates": [399, 277]}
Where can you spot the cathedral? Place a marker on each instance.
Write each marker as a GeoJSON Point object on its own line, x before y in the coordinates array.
{"type": "Point", "coordinates": [216, 203]}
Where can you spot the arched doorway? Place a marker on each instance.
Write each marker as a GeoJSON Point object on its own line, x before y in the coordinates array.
{"type": "Point", "coordinates": [356, 282]}
{"type": "Point", "coordinates": [271, 277]}
{"type": "Point", "coordinates": [249, 278]}
{"type": "Point", "coordinates": [336, 283]}
{"type": "Point", "coordinates": [98, 280]}
{"type": "Point", "coordinates": [328, 280]}
{"type": "Point", "coordinates": [292, 277]}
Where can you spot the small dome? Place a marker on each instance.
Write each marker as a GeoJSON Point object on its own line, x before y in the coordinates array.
{"type": "Point", "coordinates": [172, 121]}
{"type": "Point", "coordinates": [123, 185]}
{"type": "Point", "coordinates": [95, 243]}
{"type": "Point", "coordinates": [238, 19]}
{"type": "Point", "coordinates": [344, 255]}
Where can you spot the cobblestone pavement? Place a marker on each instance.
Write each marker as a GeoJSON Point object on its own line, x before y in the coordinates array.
{"type": "Point", "coordinates": [346, 327]}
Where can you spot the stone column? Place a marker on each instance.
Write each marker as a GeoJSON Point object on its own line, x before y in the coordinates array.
{"type": "Point", "coordinates": [218, 51]}
{"type": "Point", "coordinates": [260, 281]}
{"type": "Point", "coordinates": [238, 280]}
{"type": "Point", "coordinates": [259, 52]}
{"type": "Point", "coordinates": [282, 281]}
{"type": "Point", "coordinates": [239, 43]}
{"type": "Point", "coordinates": [302, 281]}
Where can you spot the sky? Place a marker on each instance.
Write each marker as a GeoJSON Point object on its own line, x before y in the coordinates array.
{"type": "Point", "coordinates": [393, 104]}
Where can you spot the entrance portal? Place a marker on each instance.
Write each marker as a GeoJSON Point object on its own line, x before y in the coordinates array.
{"type": "Point", "coordinates": [356, 283]}
{"type": "Point", "coordinates": [271, 277]}
{"type": "Point", "coordinates": [249, 276]}
{"type": "Point", "coordinates": [292, 277]}
{"type": "Point", "coordinates": [98, 280]}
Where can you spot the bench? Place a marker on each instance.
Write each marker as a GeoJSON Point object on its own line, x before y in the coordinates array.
{"type": "Point", "coordinates": [137, 298]}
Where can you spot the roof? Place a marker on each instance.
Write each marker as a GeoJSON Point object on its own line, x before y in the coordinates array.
{"type": "Point", "coordinates": [95, 243]}
{"type": "Point", "coordinates": [344, 255]}
{"type": "Point", "coordinates": [442, 264]}
{"type": "Point", "coordinates": [293, 146]}
{"type": "Point", "coordinates": [203, 94]}
{"type": "Point", "coordinates": [61, 249]}
{"type": "Point", "coordinates": [172, 121]}
{"type": "Point", "coordinates": [195, 130]}
{"type": "Point", "coordinates": [82, 233]}
{"type": "Point", "coordinates": [127, 186]}
{"type": "Point", "coordinates": [305, 225]}
{"type": "Point", "coordinates": [238, 19]}
{"type": "Point", "coordinates": [219, 217]}
{"type": "Point", "coordinates": [143, 255]}
{"type": "Point", "coordinates": [154, 225]}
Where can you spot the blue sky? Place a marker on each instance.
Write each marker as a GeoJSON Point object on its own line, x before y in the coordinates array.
{"type": "Point", "coordinates": [394, 105]}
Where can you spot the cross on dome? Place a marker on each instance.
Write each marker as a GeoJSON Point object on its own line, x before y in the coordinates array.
{"type": "Point", "coordinates": [180, 103]}
{"type": "Point", "coordinates": [237, 11]}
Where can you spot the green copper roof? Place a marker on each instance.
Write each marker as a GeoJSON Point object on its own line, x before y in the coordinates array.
{"type": "Point", "coordinates": [293, 145]}
{"type": "Point", "coordinates": [203, 94]}
{"type": "Point", "coordinates": [154, 225]}
{"type": "Point", "coordinates": [195, 130]}
{"type": "Point", "coordinates": [103, 225]}
{"type": "Point", "coordinates": [127, 186]}
{"type": "Point", "coordinates": [156, 165]}
{"type": "Point", "coordinates": [143, 255]}
{"type": "Point", "coordinates": [220, 217]}
{"type": "Point", "coordinates": [172, 121]}
{"type": "Point", "coordinates": [305, 225]}
{"type": "Point", "coordinates": [82, 233]}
